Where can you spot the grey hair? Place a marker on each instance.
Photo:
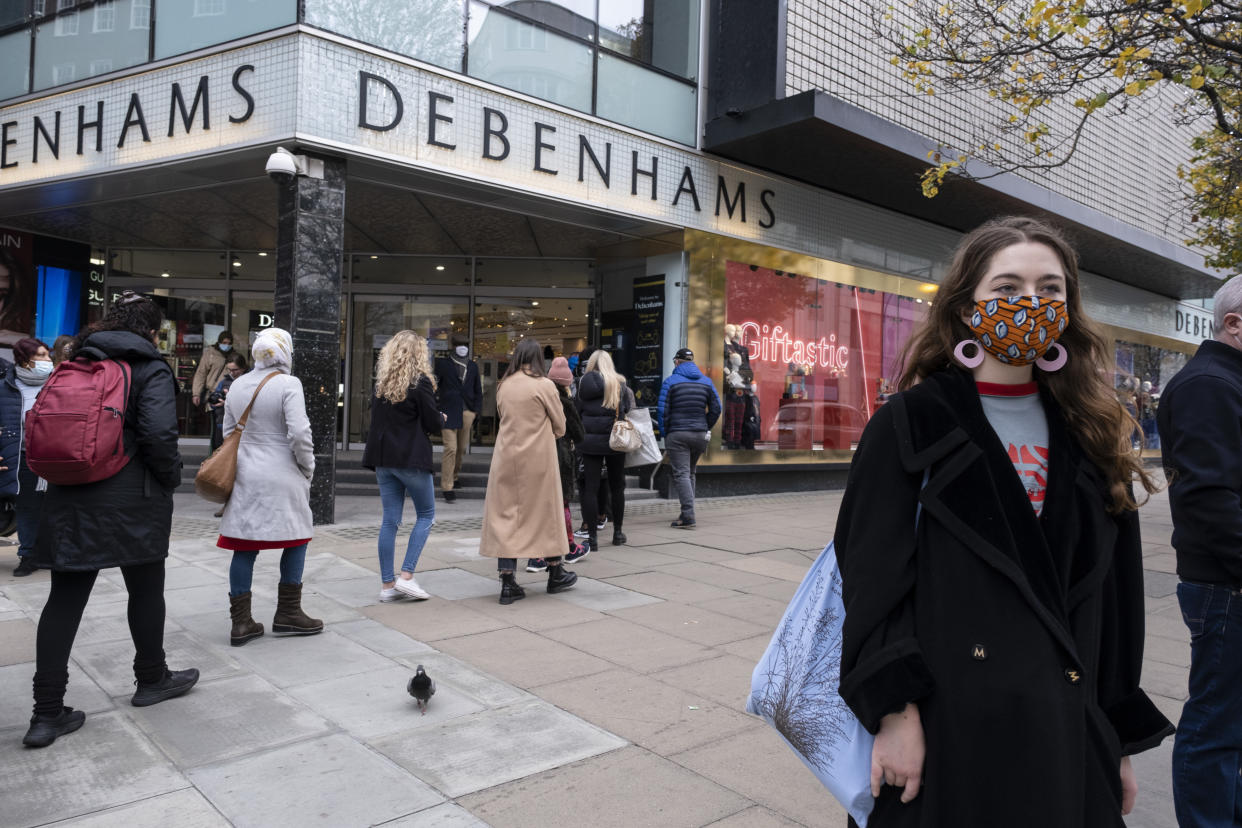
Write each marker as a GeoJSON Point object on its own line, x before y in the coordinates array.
{"type": "Point", "coordinates": [1227, 300]}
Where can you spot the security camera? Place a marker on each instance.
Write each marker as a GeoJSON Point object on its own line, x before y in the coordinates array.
{"type": "Point", "coordinates": [282, 166]}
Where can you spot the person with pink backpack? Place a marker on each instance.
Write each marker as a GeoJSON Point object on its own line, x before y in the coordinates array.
{"type": "Point", "coordinates": [109, 502]}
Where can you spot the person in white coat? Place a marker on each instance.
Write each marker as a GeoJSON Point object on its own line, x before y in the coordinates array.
{"type": "Point", "coordinates": [270, 504]}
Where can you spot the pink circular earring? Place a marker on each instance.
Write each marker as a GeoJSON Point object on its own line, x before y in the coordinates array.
{"type": "Point", "coordinates": [959, 353]}
{"type": "Point", "coordinates": [1057, 362]}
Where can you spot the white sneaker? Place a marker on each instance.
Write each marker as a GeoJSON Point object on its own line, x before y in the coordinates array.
{"type": "Point", "coordinates": [410, 587]}
{"type": "Point", "coordinates": [387, 596]}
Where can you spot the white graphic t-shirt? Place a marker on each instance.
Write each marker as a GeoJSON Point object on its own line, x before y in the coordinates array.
{"type": "Point", "coordinates": [1017, 416]}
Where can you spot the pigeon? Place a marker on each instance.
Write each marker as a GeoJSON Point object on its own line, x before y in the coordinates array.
{"type": "Point", "coordinates": [422, 688]}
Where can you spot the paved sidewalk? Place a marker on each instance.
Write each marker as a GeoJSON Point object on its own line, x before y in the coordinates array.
{"type": "Point", "coordinates": [616, 703]}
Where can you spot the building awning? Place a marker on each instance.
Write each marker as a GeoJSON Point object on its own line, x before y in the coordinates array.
{"type": "Point", "coordinates": [823, 141]}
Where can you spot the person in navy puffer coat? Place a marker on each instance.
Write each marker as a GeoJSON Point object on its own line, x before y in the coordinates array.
{"type": "Point", "coordinates": [689, 406]}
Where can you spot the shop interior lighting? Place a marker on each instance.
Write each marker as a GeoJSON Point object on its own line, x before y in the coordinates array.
{"type": "Point", "coordinates": [164, 275]}
{"type": "Point", "coordinates": [261, 253]}
{"type": "Point", "coordinates": [534, 303]}
{"type": "Point", "coordinates": [375, 257]}
{"type": "Point", "coordinates": [97, 262]}
{"type": "Point", "coordinates": [236, 263]}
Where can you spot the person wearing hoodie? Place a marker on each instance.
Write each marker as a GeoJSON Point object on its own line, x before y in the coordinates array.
{"type": "Point", "coordinates": [122, 521]}
{"type": "Point", "coordinates": [32, 366]}
{"type": "Point", "coordinates": [689, 406]}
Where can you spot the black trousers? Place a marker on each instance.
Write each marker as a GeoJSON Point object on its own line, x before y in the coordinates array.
{"type": "Point", "coordinates": [58, 626]}
{"type": "Point", "coordinates": [594, 465]}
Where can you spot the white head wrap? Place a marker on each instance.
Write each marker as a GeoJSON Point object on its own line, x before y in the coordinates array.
{"type": "Point", "coordinates": [273, 348]}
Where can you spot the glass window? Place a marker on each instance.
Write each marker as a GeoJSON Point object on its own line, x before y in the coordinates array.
{"type": "Point", "coordinates": [12, 12]}
{"type": "Point", "coordinates": [185, 25]}
{"type": "Point", "coordinates": [15, 63]}
{"type": "Point", "coordinates": [807, 361]}
{"type": "Point", "coordinates": [386, 23]}
{"type": "Point", "coordinates": [167, 264]}
{"type": "Point", "coordinates": [537, 273]}
{"type": "Point", "coordinates": [662, 33]}
{"type": "Point", "coordinates": [1139, 377]}
{"type": "Point", "coordinates": [636, 96]}
{"type": "Point", "coordinates": [140, 14]}
{"type": "Point", "coordinates": [65, 54]}
{"type": "Point", "coordinates": [519, 55]}
{"type": "Point", "coordinates": [410, 270]}
{"type": "Point", "coordinates": [192, 322]}
{"type": "Point", "coordinates": [260, 265]}
{"type": "Point", "coordinates": [575, 17]}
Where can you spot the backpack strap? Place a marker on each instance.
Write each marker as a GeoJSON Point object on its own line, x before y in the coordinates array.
{"type": "Point", "coordinates": [241, 423]}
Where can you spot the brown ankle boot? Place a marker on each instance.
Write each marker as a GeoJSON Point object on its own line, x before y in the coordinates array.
{"type": "Point", "coordinates": [289, 618]}
{"type": "Point", "coordinates": [245, 628]}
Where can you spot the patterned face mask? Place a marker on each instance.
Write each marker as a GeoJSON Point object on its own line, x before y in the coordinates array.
{"type": "Point", "coordinates": [1018, 330]}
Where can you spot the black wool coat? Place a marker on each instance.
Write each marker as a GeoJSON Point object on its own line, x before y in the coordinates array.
{"type": "Point", "coordinates": [596, 419]}
{"type": "Point", "coordinates": [10, 428]}
{"type": "Point", "coordinates": [125, 519]}
{"type": "Point", "coordinates": [400, 433]}
{"type": "Point", "coordinates": [456, 393]}
{"type": "Point", "coordinates": [1020, 637]}
{"type": "Point", "coordinates": [565, 444]}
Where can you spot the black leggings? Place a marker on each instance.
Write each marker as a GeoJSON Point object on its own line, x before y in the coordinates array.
{"type": "Point", "coordinates": [58, 626]}
{"type": "Point", "coordinates": [593, 465]}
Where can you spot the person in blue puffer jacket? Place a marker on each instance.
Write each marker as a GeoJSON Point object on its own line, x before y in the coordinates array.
{"type": "Point", "coordinates": [689, 406]}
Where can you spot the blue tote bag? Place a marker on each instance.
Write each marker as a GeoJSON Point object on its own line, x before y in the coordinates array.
{"type": "Point", "coordinates": [795, 688]}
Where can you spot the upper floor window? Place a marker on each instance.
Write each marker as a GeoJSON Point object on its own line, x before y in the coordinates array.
{"type": "Point", "coordinates": [208, 8]}
{"type": "Point", "coordinates": [140, 14]}
{"type": "Point", "coordinates": [67, 24]}
{"type": "Point", "coordinates": [105, 16]}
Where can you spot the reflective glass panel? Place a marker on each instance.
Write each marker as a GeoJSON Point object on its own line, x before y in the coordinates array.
{"type": "Point", "coordinates": [191, 322]}
{"type": "Point", "coordinates": [1139, 377]}
{"type": "Point", "coordinates": [261, 265]}
{"type": "Point", "coordinates": [185, 25]}
{"type": "Point", "coordinates": [519, 55]}
{"type": "Point", "coordinates": [807, 361]}
{"type": "Point", "coordinates": [535, 273]}
{"type": "Point", "coordinates": [636, 96]}
{"type": "Point", "coordinates": [662, 33]}
{"type": "Point", "coordinates": [575, 17]}
{"type": "Point", "coordinates": [437, 38]}
{"type": "Point", "coordinates": [12, 12]}
{"type": "Point", "coordinates": [412, 270]}
{"type": "Point", "coordinates": [88, 42]}
{"type": "Point", "coordinates": [167, 264]}
{"type": "Point", "coordinates": [15, 63]}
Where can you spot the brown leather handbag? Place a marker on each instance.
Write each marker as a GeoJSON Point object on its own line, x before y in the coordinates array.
{"type": "Point", "coordinates": [216, 476]}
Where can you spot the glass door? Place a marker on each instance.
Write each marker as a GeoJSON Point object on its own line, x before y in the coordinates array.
{"type": "Point", "coordinates": [376, 319]}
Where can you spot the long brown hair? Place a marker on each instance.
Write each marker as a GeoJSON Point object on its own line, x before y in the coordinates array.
{"type": "Point", "coordinates": [1082, 388]}
{"type": "Point", "coordinates": [527, 358]}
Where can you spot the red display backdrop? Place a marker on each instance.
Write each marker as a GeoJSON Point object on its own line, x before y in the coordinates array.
{"type": "Point", "coordinates": [819, 356]}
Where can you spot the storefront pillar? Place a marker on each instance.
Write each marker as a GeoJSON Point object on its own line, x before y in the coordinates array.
{"type": "Point", "coordinates": [309, 262]}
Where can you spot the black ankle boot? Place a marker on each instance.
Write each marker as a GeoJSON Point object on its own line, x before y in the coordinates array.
{"type": "Point", "coordinates": [593, 542]}
{"type": "Point", "coordinates": [618, 537]}
{"type": "Point", "coordinates": [509, 589]}
{"type": "Point", "coordinates": [560, 578]}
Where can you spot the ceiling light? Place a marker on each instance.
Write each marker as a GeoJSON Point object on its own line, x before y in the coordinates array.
{"type": "Point", "coordinates": [375, 257]}
{"type": "Point", "coordinates": [439, 267]}
{"type": "Point", "coordinates": [929, 288]}
{"type": "Point", "coordinates": [261, 253]}
{"type": "Point", "coordinates": [164, 275]}
{"type": "Point", "coordinates": [236, 263]}
{"type": "Point", "coordinates": [96, 261]}
{"type": "Point", "coordinates": [534, 303]}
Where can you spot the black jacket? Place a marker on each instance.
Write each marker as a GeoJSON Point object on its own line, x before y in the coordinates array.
{"type": "Point", "coordinates": [565, 444]}
{"type": "Point", "coordinates": [399, 436]}
{"type": "Point", "coordinates": [1200, 422]}
{"type": "Point", "coordinates": [456, 393]}
{"type": "Point", "coordinates": [596, 420]}
{"type": "Point", "coordinates": [125, 519]}
{"type": "Point", "coordinates": [10, 427]}
{"type": "Point", "coordinates": [1020, 637]}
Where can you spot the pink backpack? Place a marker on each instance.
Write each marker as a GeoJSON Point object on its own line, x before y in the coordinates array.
{"type": "Point", "coordinates": [75, 433]}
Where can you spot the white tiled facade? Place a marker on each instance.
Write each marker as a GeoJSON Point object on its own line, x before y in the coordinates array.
{"type": "Point", "coordinates": [1126, 165]}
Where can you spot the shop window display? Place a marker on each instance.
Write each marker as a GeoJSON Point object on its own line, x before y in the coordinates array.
{"type": "Point", "coordinates": [1139, 377]}
{"type": "Point", "coordinates": [806, 361]}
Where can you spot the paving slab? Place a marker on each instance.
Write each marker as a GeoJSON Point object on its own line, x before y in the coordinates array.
{"type": "Point", "coordinates": [763, 565]}
{"type": "Point", "coordinates": [184, 809]}
{"type": "Point", "coordinates": [523, 658]}
{"type": "Point", "coordinates": [17, 641]}
{"type": "Point", "coordinates": [352, 592]}
{"type": "Point", "coordinates": [375, 704]}
{"type": "Point", "coordinates": [535, 615]}
{"type": "Point", "coordinates": [109, 622]}
{"type": "Point", "coordinates": [756, 817]}
{"type": "Point", "coordinates": [288, 661]}
{"type": "Point", "coordinates": [16, 699]}
{"type": "Point", "coordinates": [691, 551]}
{"type": "Point", "coordinates": [498, 746]}
{"type": "Point", "coordinates": [622, 789]}
{"type": "Point", "coordinates": [724, 680]}
{"type": "Point", "coordinates": [719, 574]}
{"type": "Point", "coordinates": [453, 584]}
{"type": "Point", "coordinates": [631, 645]}
{"type": "Point", "coordinates": [380, 639]}
{"type": "Point", "coordinates": [603, 596]}
{"type": "Point", "coordinates": [447, 815]}
{"type": "Point", "coordinates": [189, 575]}
{"type": "Point", "coordinates": [199, 600]}
{"type": "Point", "coordinates": [1154, 806]}
{"type": "Point", "coordinates": [781, 591]}
{"type": "Point", "coordinates": [758, 765]}
{"type": "Point", "coordinates": [693, 623]}
{"type": "Point", "coordinates": [83, 770]}
{"type": "Point", "coordinates": [468, 679]}
{"type": "Point", "coordinates": [750, 649]}
{"type": "Point", "coordinates": [1165, 680]}
{"type": "Point", "coordinates": [766, 612]}
{"type": "Point", "coordinates": [328, 781]}
{"type": "Point", "coordinates": [111, 664]}
{"type": "Point", "coordinates": [430, 621]}
{"type": "Point", "coordinates": [225, 719]}
{"type": "Point", "coordinates": [672, 588]}
{"type": "Point", "coordinates": [645, 556]}
{"type": "Point", "coordinates": [660, 717]}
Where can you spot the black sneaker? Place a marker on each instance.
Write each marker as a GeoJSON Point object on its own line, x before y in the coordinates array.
{"type": "Point", "coordinates": [618, 537]}
{"type": "Point", "coordinates": [174, 683]}
{"type": "Point", "coordinates": [682, 523]}
{"type": "Point", "coordinates": [584, 532]}
{"type": "Point", "coordinates": [537, 565]}
{"type": "Point", "coordinates": [450, 496]}
{"type": "Point", "coordinates": [45, 729]}
{"type": "Point", "coordinates": [24, 568]}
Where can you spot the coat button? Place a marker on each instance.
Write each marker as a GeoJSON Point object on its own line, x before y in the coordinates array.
{"type": "Point", "coordinates": [1073, 676]}
{"type": "Point", "coordinates": [979, 653]}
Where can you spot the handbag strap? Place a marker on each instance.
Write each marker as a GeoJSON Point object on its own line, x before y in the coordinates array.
{"type": "Point", "coordinates": [241, 423]}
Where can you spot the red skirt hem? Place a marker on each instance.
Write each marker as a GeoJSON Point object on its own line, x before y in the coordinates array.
{"type": "Point", "coordinates": [243, 545]}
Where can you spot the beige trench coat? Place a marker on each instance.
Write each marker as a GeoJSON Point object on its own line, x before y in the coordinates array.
{"type": "Point", "coordinates": [523, 514]}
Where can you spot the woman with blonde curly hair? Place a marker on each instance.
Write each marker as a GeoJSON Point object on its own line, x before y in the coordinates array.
{"type": "Point", "coordinates": [403, 418]}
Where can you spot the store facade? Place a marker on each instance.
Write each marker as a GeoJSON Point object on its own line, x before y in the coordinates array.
{"type": "Point", "coordinates": [500, 213]}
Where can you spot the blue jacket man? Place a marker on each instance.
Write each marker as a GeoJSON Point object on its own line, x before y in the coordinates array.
{"type": "Point", "coordinates": [1200, 422]}
{"type": "Point", "coordinates": [689, 406]}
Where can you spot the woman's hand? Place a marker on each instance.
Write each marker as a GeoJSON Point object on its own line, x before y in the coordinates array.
{"type": "Point", "coordinates": [1129, 786]}
{"type": "Point", "coordinates": [897, 757]}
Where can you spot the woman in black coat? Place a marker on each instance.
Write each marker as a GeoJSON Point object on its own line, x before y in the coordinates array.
{"type": "Point", "coordinates": [123, 521]}
{"type": "Point", "coordinates": [403, 416]}
{"type": "Point", "coordinates": [994, 646]}
{"type": "Point", "coordinates": [602, 398]}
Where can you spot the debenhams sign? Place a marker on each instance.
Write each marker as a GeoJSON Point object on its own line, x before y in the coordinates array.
{"type": "Point", "coordinates": [323, 92]}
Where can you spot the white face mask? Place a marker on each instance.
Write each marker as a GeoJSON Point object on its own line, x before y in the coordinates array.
{"type": "Point", "coordinates": [461, 350]}
{"type": "Point", "coordinates": [43, 367]}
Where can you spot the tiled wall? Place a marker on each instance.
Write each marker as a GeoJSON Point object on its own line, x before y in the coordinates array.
{"type": "Point", "coordinates": [1125, 166]}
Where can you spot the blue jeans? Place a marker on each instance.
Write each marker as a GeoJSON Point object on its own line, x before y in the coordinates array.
{"type": "Point", "coordinates": [241, 571]}
{"type": "Point", "coordinates": [393, 485]}
{"type": "Point", "coordinates": [1207, 751]}
{"type": "Point", "coordinates": [29, 504]}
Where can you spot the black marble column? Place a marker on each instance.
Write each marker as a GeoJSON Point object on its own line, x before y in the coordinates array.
{"type": "Point", "coordinates": [310, 241]}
